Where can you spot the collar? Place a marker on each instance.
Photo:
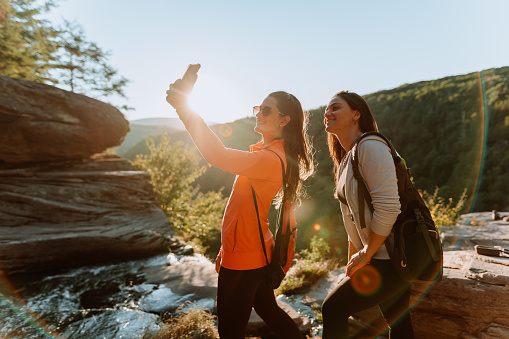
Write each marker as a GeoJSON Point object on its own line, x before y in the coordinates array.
{"type": "Point", "coordinates": [259, 146]}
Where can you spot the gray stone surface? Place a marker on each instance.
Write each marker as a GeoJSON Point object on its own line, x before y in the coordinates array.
{"type": "Point", "coordinates": [193, 276]}
{"type": "Point", "coordinates": [476, 229]}
{"type": "Point", "coordinates": [43, 123]}
{"type": "Point", "coordinates": [164, 300]}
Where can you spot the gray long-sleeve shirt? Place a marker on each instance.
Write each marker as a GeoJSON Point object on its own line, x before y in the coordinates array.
{"type": "Point", "coordinates": [377, 168]}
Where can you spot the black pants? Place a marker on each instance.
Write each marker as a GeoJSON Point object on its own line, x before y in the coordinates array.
{"type": "Point", "coordinates": [237, 293]}
{"type": "Point", "coordinates": [374, 284]}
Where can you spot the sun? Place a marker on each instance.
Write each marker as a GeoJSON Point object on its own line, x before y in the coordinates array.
{"type": "Point", "coordinates": [218, 99]}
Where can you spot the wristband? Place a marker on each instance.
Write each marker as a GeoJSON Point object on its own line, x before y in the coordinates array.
{"type": "Point", "coordinates": [366, 263]}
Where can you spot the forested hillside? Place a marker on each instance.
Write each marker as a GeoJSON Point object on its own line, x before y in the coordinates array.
{"type": "Point", "coordinates": [453, 133]}
{"type": "Point", "coordinates": [450, 131]}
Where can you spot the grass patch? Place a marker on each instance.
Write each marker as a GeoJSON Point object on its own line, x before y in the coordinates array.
{"type": "Point", "coordinates": [193, 324]}
{"type": "Point", "coordinates": [310, 266]}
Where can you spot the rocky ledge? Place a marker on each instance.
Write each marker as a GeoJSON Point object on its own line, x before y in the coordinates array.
{"type": "Point", "coordinates": [71, 213]}
{"type": "Point", "coordinates": [63, 202]}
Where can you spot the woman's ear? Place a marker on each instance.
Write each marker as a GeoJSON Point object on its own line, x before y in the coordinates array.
{"type": "Point", "coordinates": [356, 115]}
{"type": "Point", "coordinates": [284, 120]}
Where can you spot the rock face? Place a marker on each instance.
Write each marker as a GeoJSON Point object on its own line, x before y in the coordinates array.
{"type": "Point", "coordinates": [62, 202]}
{"type": "Point", "coordinates": [44, 123]}
{"type": "Point", "coordinates": [469, 302]}
{"type": "Point", "coordinates": [78, 212]}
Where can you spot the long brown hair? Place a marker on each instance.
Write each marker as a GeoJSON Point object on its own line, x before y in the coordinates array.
{"type": "Point", "coordinates": [298, 147]}
{"type": "Point", "coordinates": [367, 123]}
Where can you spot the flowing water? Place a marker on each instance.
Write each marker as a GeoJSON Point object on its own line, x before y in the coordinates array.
{"type": "Point", "coordinates": [103, 301]}
{"type": "Point", "coordinates": [87, 302]}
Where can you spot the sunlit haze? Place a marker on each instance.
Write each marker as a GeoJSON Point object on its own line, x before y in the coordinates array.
{"type": "Point", "coordinates": [312, 49]}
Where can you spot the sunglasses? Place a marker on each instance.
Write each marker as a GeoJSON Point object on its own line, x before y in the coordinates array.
{"type": "Point", "coordinates": [266, 110]}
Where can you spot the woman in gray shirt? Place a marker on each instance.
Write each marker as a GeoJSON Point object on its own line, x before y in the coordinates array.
{"type": "Point", "coordinates": [370, 278]}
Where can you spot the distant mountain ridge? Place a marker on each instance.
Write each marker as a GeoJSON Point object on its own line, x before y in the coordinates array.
{"type": "Point", "coordinates": [173, 123]}
{"type": "Point", "coordinates": [141, 129]}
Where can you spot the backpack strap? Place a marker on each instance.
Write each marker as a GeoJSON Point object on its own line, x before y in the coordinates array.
{"type": "Point", "coordinates": [363, 192]}
{"type": "Point", "coordinates": [262, 239]}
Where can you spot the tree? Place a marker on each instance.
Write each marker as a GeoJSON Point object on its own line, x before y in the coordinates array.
{"type": "Point", "coordinates": [82, 66]}
{"type": "Point", "coordinates": [31, 49]}
{"type": "Point", "coordinates": [27, 43]}
{"type": "Point", "coordinates": [196, 216]}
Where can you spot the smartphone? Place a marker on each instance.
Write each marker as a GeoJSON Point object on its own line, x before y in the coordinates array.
{"type": "Point", "coordinates": [190, 76]}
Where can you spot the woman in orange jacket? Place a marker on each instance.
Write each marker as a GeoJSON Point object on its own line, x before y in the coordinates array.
{"type": "Point", "coordinates": [241, 261]}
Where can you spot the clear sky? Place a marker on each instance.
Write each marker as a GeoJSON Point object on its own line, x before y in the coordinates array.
{"type": "Point", "coordinates": [312, 49]}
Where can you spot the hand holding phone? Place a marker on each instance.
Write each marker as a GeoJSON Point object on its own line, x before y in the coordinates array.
{"type": "Point", "coordinates": [180, 89]}
{"type": "Point", "coordinates": [190, 77]}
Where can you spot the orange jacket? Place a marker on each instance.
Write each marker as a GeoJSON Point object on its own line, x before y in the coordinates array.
{"type": "Point", "coordinates": [240, 237]}
{"type": "Point", "coordinates": [241, 247]}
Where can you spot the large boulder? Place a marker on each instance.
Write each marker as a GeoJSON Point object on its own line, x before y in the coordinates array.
{"type": "Point", "coordinates": [43, 123]}
{"type": "Point", "coordinates": [73, 213]}
{"type": "Point", "coordinates": [469, 302]}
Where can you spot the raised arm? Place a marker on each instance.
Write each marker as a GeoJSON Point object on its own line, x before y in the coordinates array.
{"type": "Point", "coordinates": [259, 165]}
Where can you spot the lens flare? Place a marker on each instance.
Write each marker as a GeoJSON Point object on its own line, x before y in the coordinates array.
{"type": "Point", "coordinates": [19, 306]}
{"type": "Point", "coordinates": [324, 233]}
{"type": "Point", "coordinates": [317, 227]}
{"type": "Point", "coordinates": [482, 145]}
{"type": "Point", "coordinates": [366, 281]}
{"type": "Point", "coordinates": [225, 130]}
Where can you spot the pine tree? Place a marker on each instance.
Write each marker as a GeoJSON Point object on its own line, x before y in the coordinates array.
{"type": "Point", "coordinates": [81, 66]}
{"type": "Point", "coordinates": [26, 42]}
{"type": "Point", "coordinates": [31, 49]}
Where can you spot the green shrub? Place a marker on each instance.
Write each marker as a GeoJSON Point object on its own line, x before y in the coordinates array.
{"type": "Point", "coordinates": [312, 265]}
{"type": "Point", "coordinates": [196, 216]}
{"type": "Point", "coordinates": [318, 250]}
{"type": "Point", "coordinates": [443, 211]}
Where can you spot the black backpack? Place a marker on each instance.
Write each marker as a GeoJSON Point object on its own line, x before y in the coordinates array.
{"type": "Point", "coordinates": [414, 245]}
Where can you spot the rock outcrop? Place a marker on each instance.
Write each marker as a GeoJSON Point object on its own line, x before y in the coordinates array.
{"type": "Point", "coordinates": [78, 212]}
{"type": "Point", "coordinates": [469, 302]}
{"type": "Point", "coordinates": [62, 202]}
{"type": "Point", "coordinates": [44, 123]}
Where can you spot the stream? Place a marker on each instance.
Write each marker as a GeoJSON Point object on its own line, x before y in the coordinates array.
{"type": "Point", "coordinates": [102, 301]}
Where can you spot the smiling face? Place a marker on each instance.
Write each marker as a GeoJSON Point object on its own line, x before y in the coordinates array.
{"type": "Point", "coordinates": [270, 121]}
{"type": "Point", "coordinates": [339, 117]}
